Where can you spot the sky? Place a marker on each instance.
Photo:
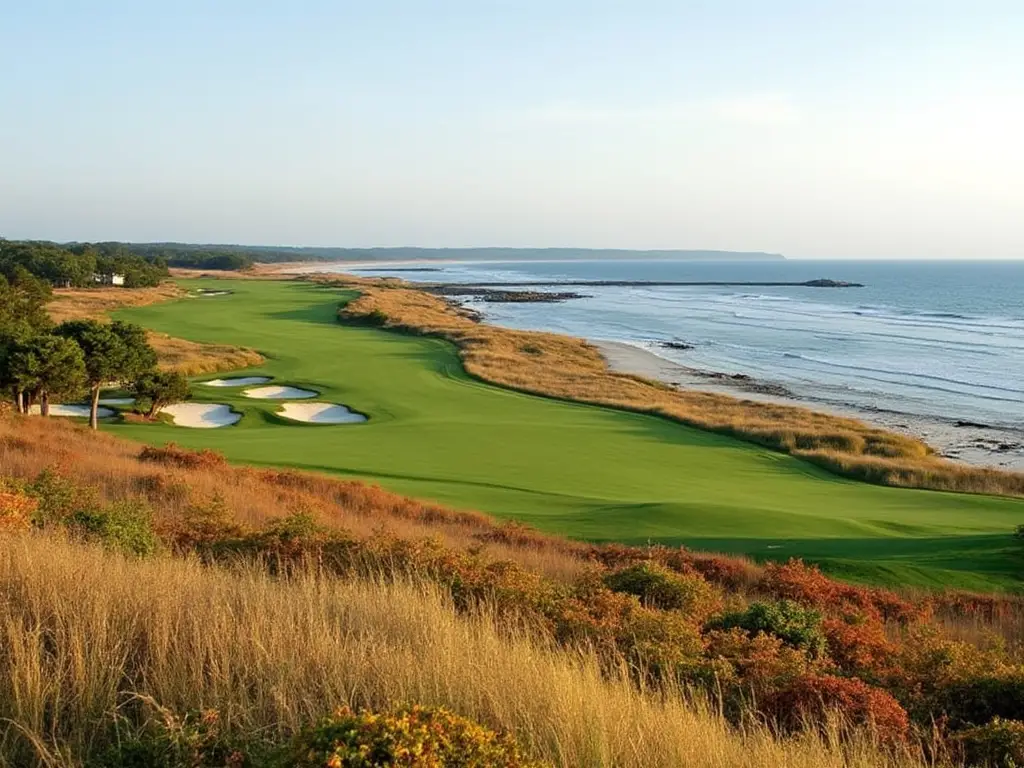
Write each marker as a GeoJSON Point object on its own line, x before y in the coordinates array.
{"type": "Point", "coordinates": [825, 128]}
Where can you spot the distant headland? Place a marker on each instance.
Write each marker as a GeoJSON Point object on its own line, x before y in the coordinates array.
{"type": "Point", "coordinates": [279, 253]}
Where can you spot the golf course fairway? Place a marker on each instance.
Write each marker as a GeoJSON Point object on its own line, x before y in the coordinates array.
{"type": "Point", "coordinates": [582, 471]}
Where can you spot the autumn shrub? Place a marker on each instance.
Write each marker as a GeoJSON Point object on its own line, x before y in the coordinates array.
{"type": "Point", "coordinates": [857, 647]}
{"type": "Point", "coordinates": [787, 620]}
{"type": "Point", "coordinates": [997, 744]}
{"type": "Point", "coordinates": [417, 737]}
{"type": "Point", "coordinates": [812, 699]}
{"type": "Point", "coordinates": [175, 456]}
{"type": "Point", "coordinates": [659, 587]}
{"type": "Point", "coordinates": [16, 510]}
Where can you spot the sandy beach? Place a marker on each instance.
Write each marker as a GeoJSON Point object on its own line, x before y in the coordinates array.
{"type": "Point", "coordinates": [974, 444]}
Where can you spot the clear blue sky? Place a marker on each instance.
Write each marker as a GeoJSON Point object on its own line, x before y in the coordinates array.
{"type": "Point", "coordinates": [856, 128]}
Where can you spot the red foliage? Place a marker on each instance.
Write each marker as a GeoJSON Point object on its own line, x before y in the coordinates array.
{"type": "Point", "coordinates": [812, 698]}
{"type": "Point", "coordinates": [857, 647]}
{"type": "Point", "coordinates": [807, 585]}
{"type": "Point", "coordinates": [176, 456]}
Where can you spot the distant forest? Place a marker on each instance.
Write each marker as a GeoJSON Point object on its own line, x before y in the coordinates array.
{"type": "Point", "coordinates": [145, 264]}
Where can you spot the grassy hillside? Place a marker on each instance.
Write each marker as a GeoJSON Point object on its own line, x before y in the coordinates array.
{"type": "Point", "coordinates": [583, 471]}
{"type": "Point", "coordinates": [299, 593]}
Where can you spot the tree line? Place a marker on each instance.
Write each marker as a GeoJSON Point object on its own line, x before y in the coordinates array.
{"type": "Point", "coordinates": [78, 264]}
{"type": "Point", "coordinates": [41, 362]}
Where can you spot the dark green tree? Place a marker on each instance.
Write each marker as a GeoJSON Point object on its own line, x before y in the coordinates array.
{"type": "Point", "coordinates": [160, 388]}
{"type": "Point", "coordinates": [117, 352]}
{"type": "Point", "coordinates": [43, 367]}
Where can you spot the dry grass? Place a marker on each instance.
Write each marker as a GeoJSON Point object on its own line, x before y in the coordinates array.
{"type": "Point", "coordinates": [113, 466]}
{"type": "Point", "coordinates": [564, 367]}
{"type": "Point", "coordinates": [188, 357]}
{"type": "Point", "coordinates": [86, 633]}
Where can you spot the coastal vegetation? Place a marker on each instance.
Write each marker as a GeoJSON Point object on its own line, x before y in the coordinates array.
{"type": "Point", "coordinates": [569, 368]}
{"type": "Point", "coordinates": [161, 603]}
{"type": "Point", "coordinates": [593, 473]}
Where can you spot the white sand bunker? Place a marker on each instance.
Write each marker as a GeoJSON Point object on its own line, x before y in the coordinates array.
{"type": "Point", "coordinates": [201, 415]}
{"type": "Point", "coordinates": [214, 293]}
{"type": "Point", "coordinates": [243, 381]}
{"type": "Point", "coordinates": [279, 393]}
{"type": "Point", "coordinates": [81, 411]}
{"type": "Point", "coordinates": [117, 401]}
{"type": "Point", "coordinates": [320, 413]}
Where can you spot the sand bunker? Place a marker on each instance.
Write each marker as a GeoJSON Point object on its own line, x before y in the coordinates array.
{"type": "Point", "coordinates": [320, 413]}
{"type": "Point", "coordinates": [214, 293]}
{"type": "Point", "coordinates": [279, 393]}
{"type": "Point", "coordinates": [117, 401]}
{"type": "Point", "coordinates": [243, 381]}
{"type": "Point", "coordinates": [201, 415]}
{"type": "Point", "coordinates": [81, 411]}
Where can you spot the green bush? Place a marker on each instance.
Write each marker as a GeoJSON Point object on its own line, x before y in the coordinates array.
{"type": "Point", "coordinates": [795, 625]}
{"type": "Point", "coordinates": [416, 737]}
{"type": "Point", "coordinates": [124, 525]}
{"type": "Point", "coordinates": [659, 587]}
{"type": "Point", "coordinates": [999, 744]}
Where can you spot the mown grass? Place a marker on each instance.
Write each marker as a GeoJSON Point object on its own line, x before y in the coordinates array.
{"type": "Point", "coordinates": [588, 472]}
{"type": "Point", "coordinates": [188, 357]}
{"type": "Point", "coordinates": [566, 367]}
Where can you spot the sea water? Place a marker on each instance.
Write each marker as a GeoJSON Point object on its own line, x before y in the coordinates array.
{"type": "Point", "coordinates": [942, 339]}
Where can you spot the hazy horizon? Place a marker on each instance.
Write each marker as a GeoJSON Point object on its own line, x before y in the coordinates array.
{"type": "Point", "coordinates": [867, 132]}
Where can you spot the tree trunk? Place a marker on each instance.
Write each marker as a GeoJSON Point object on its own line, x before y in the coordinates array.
{"type": "Point", "coordinates": [94, 406]}
{"type": "Point", "coordinates": [19, 401]}
{"type": "Point", "coordinates": [44, 403]}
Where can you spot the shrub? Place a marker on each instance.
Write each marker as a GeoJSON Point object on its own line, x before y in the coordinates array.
{"type": "Point", "coordinates": [58, 498]}
{"type": "Point", "coordinates": [16, 510]}
{"type": "Point", "coordinates": [658, 587]}
{"type": "Point", "coordinates": [124, 525]}
{"type": "Point", "coordinates": [813, 699]}
{"type": "Point", "coordinates": [195, 740]}
{"type": "Point", "coordinates": [998, 744]}
{"type": "Point", "coordinates": [416, 737]}
{"type": "Point", "coordinates": [795, 625]}
{"type": "Point", "coordinates": [976, 700]}
{"type": "Point", "coordinates": [175, 456]}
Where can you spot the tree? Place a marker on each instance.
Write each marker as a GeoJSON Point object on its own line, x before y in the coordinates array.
{"type": "Point", "coordinates": [160, 388]}
{"type": "Point", "coordinates": [115, 352]}
{"type": "Point", "coordinates": [42, 367]}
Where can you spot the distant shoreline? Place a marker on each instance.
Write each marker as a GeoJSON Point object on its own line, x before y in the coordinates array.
{"type": "Point", "coordinates": [974, 444]}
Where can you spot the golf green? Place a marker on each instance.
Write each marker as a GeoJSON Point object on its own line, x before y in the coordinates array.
{"type": "Point", "coordinates": [582, 471]}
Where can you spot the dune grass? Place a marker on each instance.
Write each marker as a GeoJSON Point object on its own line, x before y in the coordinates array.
{"type": "Point", "coordinates": [588, 472]}
{"type": "Point", "coordinates": [90, 637]}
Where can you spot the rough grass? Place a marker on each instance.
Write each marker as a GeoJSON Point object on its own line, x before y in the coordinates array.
{"type": "Point", "coordinates": [566, 367]}
{"type": "Point", "coordinates": [187, 357]}
{"type": "Point", "coordinates": [89, 635]}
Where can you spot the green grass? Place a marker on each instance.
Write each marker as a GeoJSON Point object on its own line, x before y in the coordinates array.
{"type": "Point", "coordinates": [583, 471]}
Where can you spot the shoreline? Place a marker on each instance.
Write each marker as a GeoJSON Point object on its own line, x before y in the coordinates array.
{"type": "Point", "coordinates": [976, 445]}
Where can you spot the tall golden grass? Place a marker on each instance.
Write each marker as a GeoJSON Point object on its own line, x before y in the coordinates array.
{"type": "Point", "coordinates": [188, 357]}
{"type": "Point", "coordinates": [88, 634]}
{"type": "Point", "coordinates": [564, 367]}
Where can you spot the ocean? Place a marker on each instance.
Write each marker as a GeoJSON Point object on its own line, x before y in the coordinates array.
{"type": "Point", "coordinates": [935, 339]}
